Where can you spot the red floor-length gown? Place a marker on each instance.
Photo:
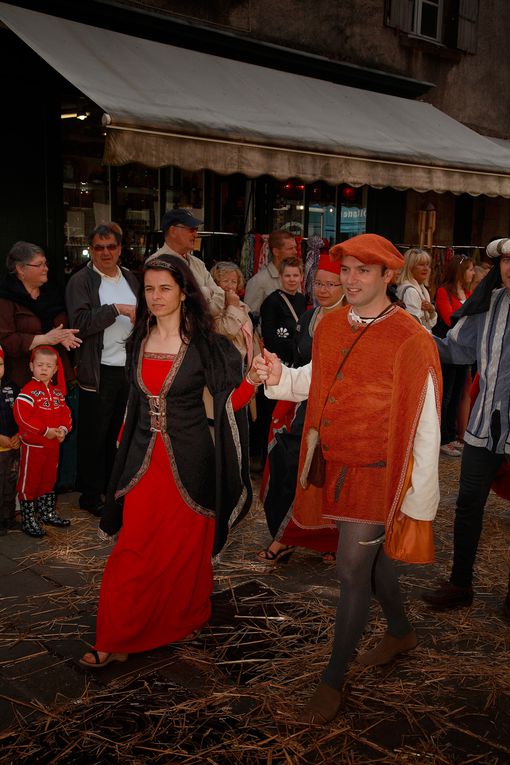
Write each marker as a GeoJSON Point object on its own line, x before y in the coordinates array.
{"type": "Point", "coordinates": [158, 580]}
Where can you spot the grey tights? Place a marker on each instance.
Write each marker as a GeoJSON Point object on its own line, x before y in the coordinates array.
{"type": "Point", "coordinates": [362, 569]}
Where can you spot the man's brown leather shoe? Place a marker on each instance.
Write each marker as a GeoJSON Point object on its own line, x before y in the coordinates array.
{"type": "Point", "coordinates": [386, 650]}
{"type": "Point", "coordinates": [448, 596]}
{"type": "Point", "coordinates": [323, 707]}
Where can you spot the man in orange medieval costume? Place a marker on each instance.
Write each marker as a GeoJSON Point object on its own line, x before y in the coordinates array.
{"type": "Point", "coordinates": [374, 394]}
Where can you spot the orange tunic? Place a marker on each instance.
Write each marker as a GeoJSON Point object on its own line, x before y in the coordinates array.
{"type": "Point", "coordinates": [370, 411]}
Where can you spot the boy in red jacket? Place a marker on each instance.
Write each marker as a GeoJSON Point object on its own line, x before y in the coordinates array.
{"type": "Point", "coordinates": [44, 420]}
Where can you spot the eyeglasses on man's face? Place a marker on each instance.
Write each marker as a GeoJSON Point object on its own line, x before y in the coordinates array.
{"type": "Point", "coordinates": [326, 285]}
{"type": "Point", "coordinates": [188, 228]}
{"type": "Point", "coordinates": [41, 264]}
{"type": "Point", "coordinates": [101, 247]}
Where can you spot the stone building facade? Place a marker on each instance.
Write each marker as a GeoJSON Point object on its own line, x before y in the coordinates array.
{"type": "Point", "coordinates": [452, 54]}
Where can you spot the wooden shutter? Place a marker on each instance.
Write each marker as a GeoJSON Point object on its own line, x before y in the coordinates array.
{"type": "Point", "coordinates": [468, 18]}
{"type": "Point", "coordinates": [399, 14]}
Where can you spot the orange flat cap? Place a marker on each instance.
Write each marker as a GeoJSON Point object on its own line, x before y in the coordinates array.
{"type": "Point", "coordinates": [369, 248]}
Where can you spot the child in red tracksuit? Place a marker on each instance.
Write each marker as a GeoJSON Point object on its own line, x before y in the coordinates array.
{"type": "Point", "coordinates": [44, 420]}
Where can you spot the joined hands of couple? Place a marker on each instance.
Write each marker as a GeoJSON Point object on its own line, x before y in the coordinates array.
{"type": "Point", "coordinates": [266, 368]}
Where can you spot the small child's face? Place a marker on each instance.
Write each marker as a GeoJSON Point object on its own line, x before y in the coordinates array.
{"type": "Point", "coordinates": [43, 367]}
{"type": "Point", "coordinates": [2, 367]}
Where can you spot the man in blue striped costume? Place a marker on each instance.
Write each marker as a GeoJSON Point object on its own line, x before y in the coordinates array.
{"type": "Point", "coordinates": [481, 335]}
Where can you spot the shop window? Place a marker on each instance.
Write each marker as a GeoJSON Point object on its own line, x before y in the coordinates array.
{"type": "Point", "coordinates": [86, 193]}
{"type": "Point", "coordinates": [335, 213]}
{"type": "Point", "coordinates": [318, 209]}
{"type": "Point", "coordinates": [136, 208]}
{"type": "Point", "coordinates": [353, 211]}
{"type": "Point", "coordinates": [86, 203]}
{"type": "Point", "coordinates": [183, 188]}
{"type": "Point", "coordinates": [322, 211]}
{"type": "Point", "coordinates": [289, 207]}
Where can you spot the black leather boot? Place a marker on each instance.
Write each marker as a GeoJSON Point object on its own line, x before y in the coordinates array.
{"type": "Point", "coordinates": [46, 506]}
{"type": "Point", "coordinates": [28, 520]}
{"type": "Point", "coordinates": [448, 596]}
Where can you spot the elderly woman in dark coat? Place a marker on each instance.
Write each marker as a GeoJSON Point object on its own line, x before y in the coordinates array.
{"type": "Point", "coordinates": [31, 313]}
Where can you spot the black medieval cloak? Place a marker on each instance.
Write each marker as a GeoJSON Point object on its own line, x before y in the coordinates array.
{"type": "Point", "coordinates": [213, 478]}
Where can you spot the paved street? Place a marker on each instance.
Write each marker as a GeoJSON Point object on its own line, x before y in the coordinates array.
{"type": "Point", "coordinates": [228, 697]}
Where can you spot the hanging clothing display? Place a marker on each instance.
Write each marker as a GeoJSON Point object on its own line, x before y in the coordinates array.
{"type": "Point", "coordinates": [315, 247]}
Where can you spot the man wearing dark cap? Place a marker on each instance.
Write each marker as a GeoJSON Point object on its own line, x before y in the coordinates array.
{"type": "Point", "coordinates": [374, 392]}
{"type": "Point", "coordinates": [180, 229]}
{"type": "Point", "coordinates": [481, 334]}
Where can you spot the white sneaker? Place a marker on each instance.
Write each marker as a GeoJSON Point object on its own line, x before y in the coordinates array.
{"type": "Point", "coordinates": [450, 450]}
{"type": "Point", "coordinates": [458, 444]}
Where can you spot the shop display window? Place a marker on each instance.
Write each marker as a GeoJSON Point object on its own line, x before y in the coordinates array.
{"type": "Point", "coordinates": [322, 211]}
{"type": "Point", "coordinates": [289, 207]}
{"type": "Point", "coordinates": [86, 188]}
{"type": "Point", "coordinates": [341, 213]}
{"type": "Point", "coordinates": [183, 188]}
{"type": "Point", "coordinates": [86, 200]}
{"type": "Point", "coordinates": [353, 211]}
{"type": "Point", "coordinates": [317, 209]}
{"type": "Point", "coordinates": [135, 190]}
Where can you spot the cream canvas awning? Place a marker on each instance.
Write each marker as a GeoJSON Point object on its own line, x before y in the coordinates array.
{"type": "Point", "coordinates": [172, 106]}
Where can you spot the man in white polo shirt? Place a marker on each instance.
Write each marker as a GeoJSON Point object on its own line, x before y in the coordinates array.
{"type": "Point", "coordinates": [101, 299]}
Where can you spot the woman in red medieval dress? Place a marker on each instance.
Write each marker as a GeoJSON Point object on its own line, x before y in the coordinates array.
{"type": "Point", "coordinates": [174, 491]}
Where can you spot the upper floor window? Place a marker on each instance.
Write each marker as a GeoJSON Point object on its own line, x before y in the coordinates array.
{"type": "Point", "coordinates": [427, 18]}
{"type": "Point", "coordinates": [451, 22]}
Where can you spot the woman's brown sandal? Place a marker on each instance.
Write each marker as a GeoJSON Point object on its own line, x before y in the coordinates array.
{"type": "Point", "coordinates": [97, 663]}
{"type": "Point", "coordinates": [282, 556]}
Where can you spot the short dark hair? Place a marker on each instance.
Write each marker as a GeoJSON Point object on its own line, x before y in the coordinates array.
{"type": "Point", "coordinates": [292, 262]}
{"type": "Point", "coordinates": [106, 229]}
{"type": "Point", "coordinates": [277, 238]}
{"type": "Point", "coordinates": [43, 350]}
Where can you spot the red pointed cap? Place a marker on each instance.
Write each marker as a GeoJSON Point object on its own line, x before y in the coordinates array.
{"type": "Point", "coordinates": [326, 263]}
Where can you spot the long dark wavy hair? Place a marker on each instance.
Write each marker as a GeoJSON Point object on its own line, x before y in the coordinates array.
{"type": "Point", "coordinates": [196, 324]}
{"type": "Point", "coordinates": [455, 273]}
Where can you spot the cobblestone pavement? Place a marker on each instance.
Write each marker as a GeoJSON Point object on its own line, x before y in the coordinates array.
{"type": "Point", "coordinates": [230, 695]}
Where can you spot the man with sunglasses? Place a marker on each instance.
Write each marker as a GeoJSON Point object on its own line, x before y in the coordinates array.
{"type": "Point", "coordinates": [180, 229]}
{"type": "Point", "coordinates": [101, 299]}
